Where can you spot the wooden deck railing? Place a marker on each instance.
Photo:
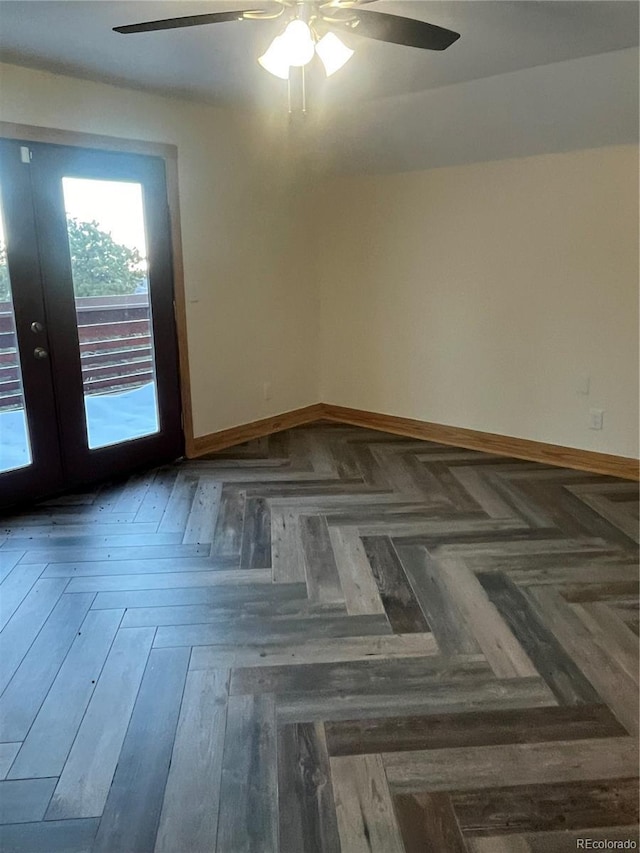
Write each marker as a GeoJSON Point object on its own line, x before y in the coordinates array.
{"type": "Point", "coordinates": [116, 352]}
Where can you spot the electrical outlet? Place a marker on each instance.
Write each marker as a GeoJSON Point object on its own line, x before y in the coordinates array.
{"type": "Point", "coordinates": [266, 390]}
{"type": "Point", "coordinates": [596, 418]}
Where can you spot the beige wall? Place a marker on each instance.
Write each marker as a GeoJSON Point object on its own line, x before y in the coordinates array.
{"type": "Point", "coordinates": [481, 296]}
{"type": "Point", "coordinates": [251, 312]}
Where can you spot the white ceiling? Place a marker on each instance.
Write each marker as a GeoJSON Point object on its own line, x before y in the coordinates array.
{"type": "Point", "coordinates": [581, 103]}
{"type": "Point", "coordinates": [217, 63]}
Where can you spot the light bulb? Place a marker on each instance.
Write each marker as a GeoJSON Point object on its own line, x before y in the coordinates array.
{"type": "Point", "coordinates": [333, 53]}
{"type": "Point", "coordinates": [275, 59]}
{"type": "Point", "coordinates": [298, 43]}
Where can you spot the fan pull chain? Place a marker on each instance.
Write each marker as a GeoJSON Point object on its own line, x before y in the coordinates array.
{"type": "Point", "coordinates": [297, 93]}
{"type": "Point", "coordinates": [304, 92]}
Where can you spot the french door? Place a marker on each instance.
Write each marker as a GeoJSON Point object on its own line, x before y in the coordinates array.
{"type": "Point", "coordinates": [89, 383]}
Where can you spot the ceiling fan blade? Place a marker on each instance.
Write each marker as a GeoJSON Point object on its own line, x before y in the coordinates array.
{"type": "Point", "coordinates": [395, 29]}
{"type": "Point", "coordinates": [189, 21]}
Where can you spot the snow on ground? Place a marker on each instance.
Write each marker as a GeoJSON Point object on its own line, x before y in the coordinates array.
{"type": "Point", "coordinates": [111, 418]}
{"type": "Point", "coordinates": [14, 449]}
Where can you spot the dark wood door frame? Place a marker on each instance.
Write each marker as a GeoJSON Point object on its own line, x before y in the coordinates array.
{"type": "Point", "coordinates": [50, 164]}
{"type": "Point", "coordinates": [169, 153]}
{"type": "Point", "coordinates": [44, 474]}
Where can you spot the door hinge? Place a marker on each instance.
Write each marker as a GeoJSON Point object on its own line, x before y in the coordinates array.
{"type": "Point", "coordinates": [26, 155]}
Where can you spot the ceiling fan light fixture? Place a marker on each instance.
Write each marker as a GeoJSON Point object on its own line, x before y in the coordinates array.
{"type": "Point", "coordinates": [298, 44]}
{"type": "Point", "coordinates": [333, 53]}
{"type": "Point", "coordinates": [275, 60]}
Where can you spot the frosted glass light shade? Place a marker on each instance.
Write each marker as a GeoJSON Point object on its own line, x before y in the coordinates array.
{"type": "Point", "coordinates": [274, 60]}
{"type": "Point", "coordinates": [333, 53]}
{"type": "Point", "coordinates": [297, 43]}
{"type": "Point", "coordinates": [294, 47]}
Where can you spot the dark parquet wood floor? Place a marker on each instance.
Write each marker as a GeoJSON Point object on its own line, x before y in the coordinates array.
{"type": "Point", "coordinates": [329, 640]}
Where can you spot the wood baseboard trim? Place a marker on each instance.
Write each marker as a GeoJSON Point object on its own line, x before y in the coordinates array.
{"type": "Point", "coordinates": [502, 445]}
{"type": "Point", "coordinates": [204, 444]}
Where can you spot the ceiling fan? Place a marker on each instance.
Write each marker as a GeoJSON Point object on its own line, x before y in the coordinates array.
{"type": "Point", "coordinates": [311, 30]}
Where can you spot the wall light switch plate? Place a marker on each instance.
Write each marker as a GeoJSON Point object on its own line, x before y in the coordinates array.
{"type": "Point", "coordinates": [584, 385]}
{"type": "Point", "coordinates": [596, 418]}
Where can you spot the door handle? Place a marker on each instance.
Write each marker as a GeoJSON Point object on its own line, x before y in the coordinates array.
{"type": "Point", "coordinates": [36, 327]}
{"type": "Point", "coordinates": [40, 352]}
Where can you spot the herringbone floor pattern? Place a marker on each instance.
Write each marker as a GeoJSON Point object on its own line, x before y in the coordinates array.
{"type": "Point", "coordinates": [329, 640]}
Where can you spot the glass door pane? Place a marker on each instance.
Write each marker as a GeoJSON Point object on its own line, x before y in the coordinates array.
{"type": "Point", "coordinates": [108, 247]}
{"type": "Point", "coordinates": [15, 446]}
